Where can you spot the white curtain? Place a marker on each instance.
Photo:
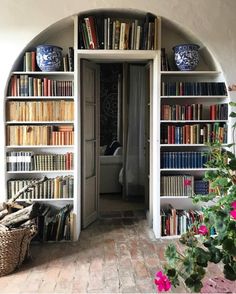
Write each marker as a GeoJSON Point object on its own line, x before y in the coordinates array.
{"type": "Point", "coordinates": [135, 160]}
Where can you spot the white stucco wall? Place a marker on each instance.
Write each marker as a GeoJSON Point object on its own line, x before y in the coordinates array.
{"type": "Point", "coordinates": [211, 21]}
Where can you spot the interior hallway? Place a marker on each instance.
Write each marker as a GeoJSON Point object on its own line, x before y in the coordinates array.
{"type": "Point", "coordinates": [116, 254]}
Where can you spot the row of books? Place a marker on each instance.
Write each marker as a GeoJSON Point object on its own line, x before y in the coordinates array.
{"type": "Point", "coordinates": [24, 85]}
{"type": "Point", "coordinates": [219, 111]}
{"type": "Point", "coordinates": [30, 64]}
{"type": "Point", "coordinates": [28, 161]}
{"type": "Point", "coordinates": [194, 112]}
{"type": "Point", "coordinates": [192, 159]}
{"type": "Point", "coordinates": [202, 187]}
{"type": "Point", "coordinates": [181, 112]}
{"type": "Point", "coordinates": [178, 221]}
{"type": "Point", "coordinates": [55, 224]}
{"type": "Point", "coordinates": [193, 88]}
{"type": "Point", "coordinates": [53, 188]}
{"type": "Point", "coordinates": [182, 185]}
{"type": "Point", "coordinates": [39, 135]}
{"type": "Point", "coordinates": [29, 61]}
{"type": "Point", "coordinates": [96, 32]}
{"type": "Point", "coordinates": [54, 110]}
{"type": "Point", "coordinates": [68, 60]}
{"type": "Point", "coordinates": [194, 134]}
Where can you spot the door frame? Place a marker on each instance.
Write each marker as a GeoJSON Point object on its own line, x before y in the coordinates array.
{"type": "Point", "coordinates": [154, 185]}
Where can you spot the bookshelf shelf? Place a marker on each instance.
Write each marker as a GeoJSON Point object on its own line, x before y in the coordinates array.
{"type": "Point", "coordinates": [44, 73]}
{"type": "Point", "coordinates": [38, 146]}
{"type": "Point", "coordinates": [170, 237]}
{"type": "Point", "coordinates": [195, 96]}
{"type": "Point", "coordinates": [47, 199]}
{"type": "Point", "coordinates": [40, 97]}
{"type": "Point", "coordinates": [40, 122]}
{"type": "Point", "coordinates": [175, 197]}
{"type": "Point", "coordinates": [191, 73]}
{"type": "Point", "coordinates": [42, 172]}
{"type": "Point", "coordinates": [185, 169]}
{"type": "Point", "coordinates": [192, 121]}
{"type": "Point", "coordinates": [183, 145]}
{"type": "Point", "coordinates": [127, 55]}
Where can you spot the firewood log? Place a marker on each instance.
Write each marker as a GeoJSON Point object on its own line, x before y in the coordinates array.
{"type": "Point", "coordinates": [20, 216]}
{"type": "Point", "coordinates": [3, 213]}
{"type": "Point", "coordinates": [3, 229]}
{"type": "Point", "coordinates": [2, 207]}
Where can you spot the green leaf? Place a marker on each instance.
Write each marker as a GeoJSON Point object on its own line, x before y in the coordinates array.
{"type": "Point", "coordinates": [231, 103]}
{"type": "Point", "coordinates": [171, 253]}
{"type": "Point", "coordinates": [232, 226]}
{"type": "Point", "coordinates": [203, 198]}
{"type": "Point", "coordinates": [232, 164]}
{"type": "Point", "coordinates": [201, 272]}
{"type": "Point", "coordinates": [172, 275]}
{"type": "Point", "coordinates": [226, 259]}
{"type": "Point", "coordinates": [232, 114]}
{"type": "Point", "coordinates": [229, 272]}
{"type": "Point", "coordinates": [194, 283]}
{"type": "Point", "coordinates": [188, 264]}
{"type": "Point", "coordinates": [229, 246]}
{"type": "Point", "coordinates": [208, 243]}
{"type": "Point", "coordinates": [222, 181]}
{"type": "Point", "coordinates": [202, 257]}
{"type": "Point", "coordinates": [215, 254]}
{"type": "Point", "coordinates": [210, 175]}
{"type": "Point", "coordinates": [171, 272]}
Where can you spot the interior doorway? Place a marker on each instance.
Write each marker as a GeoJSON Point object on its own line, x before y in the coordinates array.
{"type": "Point", "coordinates": [115, 137]}
{"type": "Point", "coordinates": [124, 125]}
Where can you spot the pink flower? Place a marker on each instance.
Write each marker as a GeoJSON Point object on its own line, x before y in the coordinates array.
{"type": "Point", "coordinates": [162, 282]}
{"type": "Point", "coordinates": [187, 182]}
{"type": "Point", "coordinates": [233, 204]}
{"type": "Point", "coordinates": [203, 230]}
{"type": "Point", "coordinates": [233, 214]}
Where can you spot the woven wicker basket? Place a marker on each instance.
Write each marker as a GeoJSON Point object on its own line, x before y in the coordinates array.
{"type": "Point", "coordinates": [14, 246]}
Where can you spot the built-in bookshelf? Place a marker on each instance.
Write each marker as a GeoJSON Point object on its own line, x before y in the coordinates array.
{"type": "Point", "coordinates": [194, 113]}
{"type": "Point", "coordinates": [45, 121]}
{"type": "Point", "coordinates": [39, 138]}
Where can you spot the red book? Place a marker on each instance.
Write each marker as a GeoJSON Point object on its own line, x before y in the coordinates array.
{"type": "Point", "coordinates": [172, 134]}
{"type": "Point", "coordinates": [187, 131]}
{"type": "Point", "coordinates": [33, 61]}
{"type": "Point", "coordinates": [169, 134]}
{"type": "Point", "coordinates": [168, 226]}
{"type": "Point", "coordinates": [90, 26]}
{"type": "Point", "coordinates": [213, 112]}
{"type": "Point", "coordinates": [45, 87]}
{"type": "Point", "coordinates": [189, 112]}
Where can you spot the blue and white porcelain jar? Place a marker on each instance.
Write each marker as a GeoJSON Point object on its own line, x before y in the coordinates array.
{"type": "Point", "coordinates": [186, 56]}
{"type": "Point", "coordinates": [49, 57]}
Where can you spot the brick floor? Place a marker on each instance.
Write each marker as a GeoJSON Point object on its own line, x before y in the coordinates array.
{"type": "Point", "coordinates": [113, 255]}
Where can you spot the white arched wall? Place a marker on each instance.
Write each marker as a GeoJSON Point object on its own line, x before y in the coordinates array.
{"type": "Point", "coordinates": [212, 21]}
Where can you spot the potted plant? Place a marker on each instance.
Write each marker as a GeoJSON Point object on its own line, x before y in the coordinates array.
{"type": "Point", "coordinates": [202, 248]}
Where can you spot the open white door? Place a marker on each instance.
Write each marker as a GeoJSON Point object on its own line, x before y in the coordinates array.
{"type": "Point", "coordinates": [90, 84]}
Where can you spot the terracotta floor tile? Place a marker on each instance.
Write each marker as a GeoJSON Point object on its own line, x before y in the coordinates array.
{"type": "Point", "coordinates": [118, 255]}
